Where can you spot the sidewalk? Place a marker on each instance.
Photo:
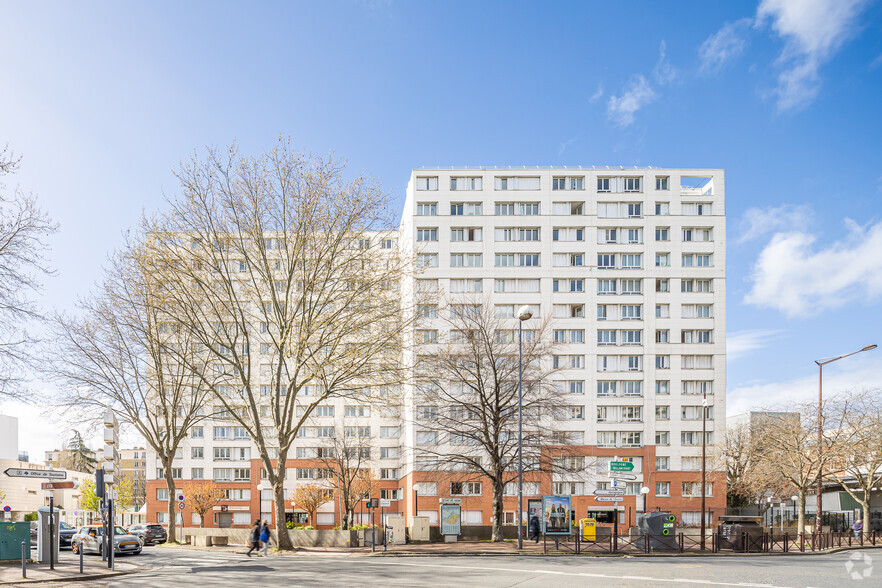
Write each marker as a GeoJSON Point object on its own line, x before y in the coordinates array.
{"type": "Point", "coordinates": [66, 570]}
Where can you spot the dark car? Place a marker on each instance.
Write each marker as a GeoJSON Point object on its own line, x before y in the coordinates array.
{"type": "Point", "coordinates": [149, 533]}
{"type": "Point", "coordinates": [65, 534]}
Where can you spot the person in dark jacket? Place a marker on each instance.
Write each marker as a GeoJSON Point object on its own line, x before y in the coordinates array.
{"type": "Point", "coordinates": [534, 528]}
{"type": "Point", "coordinates": [265, 537]}
{"type": "Point", "coordinates": [254, 537]}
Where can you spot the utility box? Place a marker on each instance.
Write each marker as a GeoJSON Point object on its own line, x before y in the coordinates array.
{"type": "Point", "coordinates": [419, 529]}
{"type": "Point", "coordinates": [740, 533]}
{"type": "Point", "coordinates": [11, 536]}
{"type": "Point", "coordinates": [43, 534]}
{"type": "Point", "coordinates": [661, 528]}
{"type": "Point", "coordinates": [396, 530]}
{"type": "Point", "coordinates": [589, 529]}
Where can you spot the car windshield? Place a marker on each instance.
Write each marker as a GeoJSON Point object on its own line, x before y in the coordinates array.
{"type": "Point", "coordinates": [120, 531]}
{"type": "Point", "coordinates": [154, 527]}
{"type": "Point", "coordinates": [65, 527]}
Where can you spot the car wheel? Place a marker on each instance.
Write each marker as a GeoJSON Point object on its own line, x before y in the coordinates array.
{"type": "Point", "coordinates": [138, 552]}
{"type": "Point", "coordinates": [75, 549]}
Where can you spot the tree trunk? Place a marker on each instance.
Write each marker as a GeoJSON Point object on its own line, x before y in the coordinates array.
{"type": "Point", "coordinates": [497, 510]}
{"type": "Point", "coordinates": [202, 520]}
{"type": "Point", "coordinates": [800, 521]}
{"type": "Point", "coordinates": [285, 543]}
{"type": "Point", "coordinates": [170, 484]}
{"type": "Point", "coordinates": [865, 505]}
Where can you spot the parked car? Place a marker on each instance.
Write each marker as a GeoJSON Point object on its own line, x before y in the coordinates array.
{"type": "Point", "coordinates": [33, 526]}
{"type": "Point", "coordinates": [90, 538]}
{"type": "Point", "coordinates": [65, 534]}
{"type": "Point", "coordinates": [149, 533]}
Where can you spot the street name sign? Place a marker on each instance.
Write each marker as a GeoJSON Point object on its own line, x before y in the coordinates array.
{"type": "Point", "coordinates": [56, 485]}
{"type": "Point", "coordinates": [608, 498]}
{"type": "Point", "coordinates": [621, 466]}
{"type": "Point", "coordinates": [611, 492]}
{"type": "Point", "coordinates": [385, 502]}
{"type": "Point", "coordinates": [450, 500]}
{"type": "Point", "coordinates": [24, 473]}
{"type": "Point", "coordinates": [622, 476]}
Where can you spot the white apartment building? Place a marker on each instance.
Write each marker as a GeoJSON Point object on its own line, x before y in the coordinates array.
{"type": "Point", "coordinates": [628, 262]}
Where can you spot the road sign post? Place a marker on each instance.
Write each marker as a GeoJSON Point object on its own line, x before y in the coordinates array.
{"type": "Point", "coordinates": [25, 473]}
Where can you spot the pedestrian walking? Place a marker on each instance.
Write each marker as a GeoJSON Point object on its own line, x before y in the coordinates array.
{"type": "Point", "coordinates": [254, 538]}
{"type": "Point", "coordinates": [534, 528]}
{"type": "Point", "coordinates": [265, 538]}
{"type": "Point", "coordinates": [857, 527]}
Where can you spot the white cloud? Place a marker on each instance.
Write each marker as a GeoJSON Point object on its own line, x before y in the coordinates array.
{"type": "Point", "coordinates": [758, 222]}
{"type": "Point", "coordinates": [565, 145]}
{"type": "Point", "coordinates": [664, 72]}
{"type": "Point", "coordinates": [621, 110]}
{"type": "Point", "coordinates": [597, 95]}
{"type": "Point", "coordinates": [742, 343]}
{"type": "Point", "coordinates": [856, 373]}
{"type": "Point", "coordinates": [797, 279]}
{"type": "Point", "coordinates": [724, 45]}
{"type": "Point", "coordinates": [813, 32]}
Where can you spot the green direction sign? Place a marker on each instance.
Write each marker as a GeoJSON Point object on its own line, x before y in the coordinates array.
{"type": "Point", "coordinates": [621, 466]}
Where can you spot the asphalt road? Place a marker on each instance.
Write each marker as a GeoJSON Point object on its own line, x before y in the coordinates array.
{"type": "Point", "coordinates": [166, 567]}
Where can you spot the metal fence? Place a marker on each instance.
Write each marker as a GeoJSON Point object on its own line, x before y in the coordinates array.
{"type": "Point", "coordinates": [688, 543]}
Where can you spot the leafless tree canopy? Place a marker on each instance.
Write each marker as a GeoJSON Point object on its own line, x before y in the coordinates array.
{"type": "Point", "coordinates": [346, 460]}
{"type": "Point", "coordinates": [121, 352]}
{"type": "Point", "coordinates": [24, 228]}
{"type": "Point", "coordinates": [287, 276]}
{"type": "Point", "coordinates": [467, 393]}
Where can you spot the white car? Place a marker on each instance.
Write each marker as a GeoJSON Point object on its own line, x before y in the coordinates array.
{"type": "Point", "coordinates": [89, 539]}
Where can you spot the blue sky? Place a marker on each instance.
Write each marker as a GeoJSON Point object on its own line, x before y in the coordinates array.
{"type": "Point", "coordinates": [103, 99]}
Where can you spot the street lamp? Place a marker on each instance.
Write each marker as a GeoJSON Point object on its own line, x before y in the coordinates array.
{"type": "Point", "coordinates": [821, 363]}
{"type": "Point", "coordinates": [524, 313]}
{"type": "Point", "coordinates": [703, 462]}
{"type": "Point", "coordinates": [644, 491]}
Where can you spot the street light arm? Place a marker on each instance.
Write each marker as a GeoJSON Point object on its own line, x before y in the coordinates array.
{"type": "Point", "coordinates": [822, 362]}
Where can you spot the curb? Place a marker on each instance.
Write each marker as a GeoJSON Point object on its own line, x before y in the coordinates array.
{"type": "Point", "coordinates": [78, 578]}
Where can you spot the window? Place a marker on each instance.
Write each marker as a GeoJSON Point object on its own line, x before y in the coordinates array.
{"type": "Point", "coordinates": [662, 438]}
{"type": "Point", "coordinates": [698, 234]}
{"type": "Point", "coordinates": [465, 488]}
{"type": "Point", "coordinates": [390, 452]}
{"type": "Point", "coordinates": [662, 464]}
{"type": "Point", "coordinates": [196, 452]}
{"type": "Point", "coordinates": [568, 361]}
{"type": "Point", "coordinates": [632, 337]}
{"type": "Point", "coordinates": [427, 183]}
{"type": "Point", "coordinates": [697, 209]}
{"type": "Point", "coordinates": [568, 183]}
{"type": "Point", "coordinates": [662, 336]}
{"type": "Point", "coordinates": [355, 411]}
{"type": "Point", "coordinates": [693, 438]}
{"type": "Point", "coordinates": [427, 208]}
{"type": "Point", "coordinates": [563, 234]}
{"type": "Point", "coordinates": [427, 260]}
{"type": "Point", "coordinates": [697, 310]}
{"type": "Point", "coordinates": [466, 234]}
{"type": "Point", "coordinates": [472, 517]}
{"type": "Point", "coordinates": [473, 183]}
{"type": "Point", "coordinates": [606, 337]}
{"type": "Point", "coordinates": [662, 362]}
{"type": "Point", "coordinates": [697, 387]}
{"type": "Point", "coordinates": [388, 473]}
{"type": "Point", "coordinates": [662, 208]}
{"type": "Point", "coordinates": [696, 336]}
{"type": "Point", "coordinates": [606, 286]}
{"type": "Point", "coordinates": [424, 285]}
{"type": "Point", "coordinates": [632, 286]}
{"type": "Point", "coordinates": [196, 432]}
{"type": "Point", "coordinates": [662, 311]}
{"type": "Point", "coordinates": [663, 234]}
{"type": "Point", "coordinates": [633, 184]}
{"type": "Point", "coordinates": [693, 490]}
{"type": "Point", "coordinates": [571, 285]}
{"type": "Point", "coordinates": [661, 183]}
{"type": "Point", "coordinates": [608, 236]}
{"type": "Point", "coordinates": [426, 437]}
{"type": "Point", "coordinates": [662, 412]}
{"type": "Point", "coordinates": [632, 312]}
{"type": "Point", "coordinates": [389, 432]}
{"type": "Point", "coordinates": [429, 311]}
{"type": "Point", "coordinates": [693, 413]}
{"type": "Point", "coordinates": [573, 413]}
{"type": "Point", "coordinates": [196, 473]}
{"type": "Point", "coordinates": [530, 489]}
{"type": "Point", "coordinates": [697, 362]}
{"type": "Point", "coordinates": [509, 285]}
{"type": "Point", "coordinates": [424, 235]}
{"type": "Point", "coordinates": [387, 243]}
{"type": "Point", "coordinates": [466, 285]}
{"type": "Point", "coordinates": [568, 488]}
{"type": "Point", "coordinates": [605, 388]}
{"type": "Point", "coordinates": [662, 488]}
{"type": "Point", "coordinates": [569, 336]}
{"type": "Point", "coordinates": [162, 494]}
{"type": "Point", "coordinates": [603, 184]}
{"type": "Point", "coordinates": [572, 386]}
{"type": "Point", "coordinates": [696, 286]}
{"type": "Point", "coordinates": [517, 183]}
{"type": "Point", "coordinates": [662, 260]}
{"type": "Point", "coordinates": [697, 260]}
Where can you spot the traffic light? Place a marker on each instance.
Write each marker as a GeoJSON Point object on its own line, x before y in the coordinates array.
{"type": "Point", "coordinates": [99, 482]}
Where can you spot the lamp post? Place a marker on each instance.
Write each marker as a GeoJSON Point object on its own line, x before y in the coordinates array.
{"type": "Point", "coordinates": [818, 489]}
{"type": "Point", "coordinates": [644, 491]}
{"type": "Point", "coordinates": [703, 462]}
{"type": "Point", "coordinates": [524, 313]}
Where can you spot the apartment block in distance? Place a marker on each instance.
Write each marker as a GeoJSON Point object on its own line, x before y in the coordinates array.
{"type": "Point", "coordinates": [629, 264]}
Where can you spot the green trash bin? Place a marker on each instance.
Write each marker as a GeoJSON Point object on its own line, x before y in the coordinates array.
{"type": "Point", "coordinates": [11, 536]}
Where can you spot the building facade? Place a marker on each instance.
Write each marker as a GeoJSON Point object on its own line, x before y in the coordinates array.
{"type": "Point", "coordinates": [629, 264]}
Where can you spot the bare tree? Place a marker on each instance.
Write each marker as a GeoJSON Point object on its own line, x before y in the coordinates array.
{"type": "Point", "coordinates": [748, 479]}
{"type": "Point", "coordinates": [203, 496]}
{"type": "Point", "coordinates": [288, 276]}
{"type": "Point", "coordinates": [467, 407]}
{"type": "Point", "coordinates": [24, 228]}
{"type": "Point", "coordinates": [310, 497]}
{"type": "Point", "coordinates": [786, 447]}
{"type": "Point", "coordinates": [346, 460]}
{"type": "Point", "coordinates": [123, 353]}
{"type": "Point", "coordinates": [856, 462]}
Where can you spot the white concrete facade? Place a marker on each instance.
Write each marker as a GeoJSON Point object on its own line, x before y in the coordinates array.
{"type": "Point", "coordinates": [629, 262]}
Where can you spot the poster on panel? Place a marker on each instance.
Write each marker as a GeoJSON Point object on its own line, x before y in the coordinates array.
{"type": "Point", "coordinates": [556, 515]}
{"type": "Point", "coordinates": [451, 519]}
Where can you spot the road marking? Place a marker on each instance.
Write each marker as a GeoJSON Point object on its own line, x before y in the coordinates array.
{"type": "Point", "coordinates": [588, 575]}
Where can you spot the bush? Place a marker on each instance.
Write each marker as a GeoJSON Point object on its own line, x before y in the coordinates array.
{"type": "Point", "coordinates": [289, 525]}
{"type": "Point", "coordinates": [31, 516]}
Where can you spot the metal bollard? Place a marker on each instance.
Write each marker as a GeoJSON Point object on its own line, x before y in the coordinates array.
{"type": "Point", "coordinates": [81, 556]}
{"type": "Point", "coordinates": [24, 560]}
